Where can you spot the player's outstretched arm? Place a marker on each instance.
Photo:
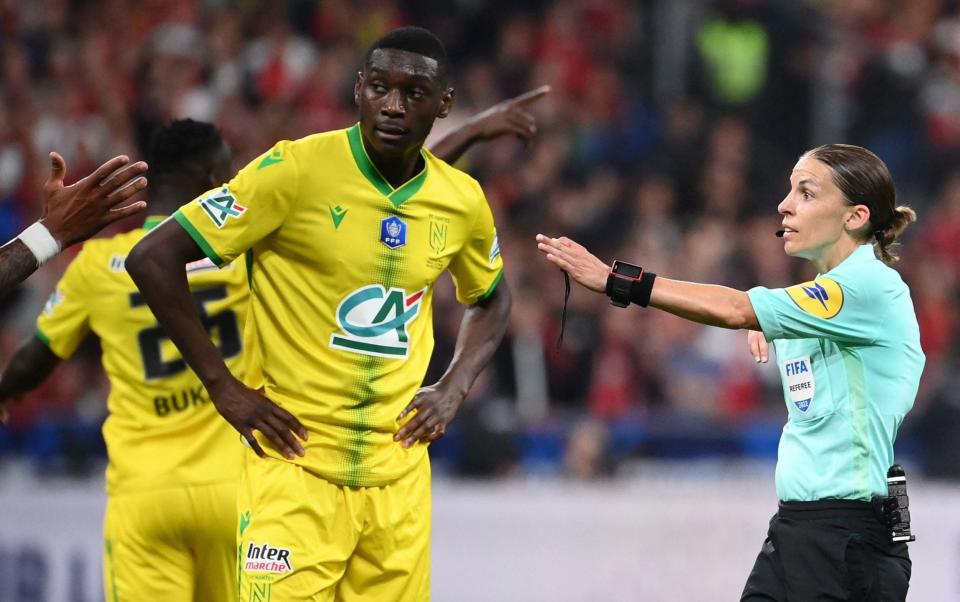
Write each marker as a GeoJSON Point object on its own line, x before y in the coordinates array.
{"type": "Point", "coordinates": [156, 265]}
{"type": "Point", "coordinates": [17, 262]}
{"type": "Point", "coordinates": [480, 333]}
{"type": "Point", "coordinates": [704, 303]}
{"type": "Point", "coordinates": [72, 214]}
{"type": "Point", "coordinates": [30, 365]}
{"type": "Point", "coordinates": [504, 118]}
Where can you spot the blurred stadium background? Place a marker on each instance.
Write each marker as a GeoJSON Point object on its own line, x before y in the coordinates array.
{"type": "Point", "coordinates": [635, 461]}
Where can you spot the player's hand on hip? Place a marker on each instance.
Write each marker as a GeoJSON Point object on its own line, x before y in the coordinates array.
{"type": "Point", "coordinates": [758, 346]}
{"type": "Point", "coordinates": [433, 408]}
{"type": "Point", "coordinates": [510, 117]}
{"type": "Point", "coordinates": [575, 260]}
{"type": "Point", "coordinates": [248, 410]}
{"type": "Point", "coordinates": [77, 212]}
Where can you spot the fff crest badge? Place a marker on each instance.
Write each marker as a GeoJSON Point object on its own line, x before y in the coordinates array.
{"type": "Point", "coordinates": [393, 232]}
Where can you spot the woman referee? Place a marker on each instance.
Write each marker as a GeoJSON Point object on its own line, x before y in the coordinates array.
{"type": "Point", "coordinates": [848, 349]}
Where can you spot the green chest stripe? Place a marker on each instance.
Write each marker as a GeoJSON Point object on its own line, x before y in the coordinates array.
{"type": "Point", "coordinates": [108, 544]}
{"type": "Point", "coordinates": [389, 263]}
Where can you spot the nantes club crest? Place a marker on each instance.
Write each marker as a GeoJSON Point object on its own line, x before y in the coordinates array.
{"type": "Point", "coordinates": [374, 320]}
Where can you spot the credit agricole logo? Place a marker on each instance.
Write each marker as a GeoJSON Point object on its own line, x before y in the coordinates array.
{"type": "Point", "coordinates": [373, 320]}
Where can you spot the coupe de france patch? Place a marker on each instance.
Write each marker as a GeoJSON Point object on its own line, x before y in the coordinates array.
{"type": "Point", "coordinates": [220, 205]}
{"type": "Point", "coordinates": [798, 374]}
{"type": "Point", "coordinates": [56, 298]}
{"type": "Point", "coordinates": [822, 297]}
{"type": "Point", "coordinates": [494, 248]}
{"type": "Point", "coordinates": [393, 232]}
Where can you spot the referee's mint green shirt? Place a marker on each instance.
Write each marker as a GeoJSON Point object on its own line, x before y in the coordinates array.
{"type": "Point", "coordinates": [848, 350]}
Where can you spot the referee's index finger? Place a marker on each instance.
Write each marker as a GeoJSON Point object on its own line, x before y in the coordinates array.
{"type": "Point", "coordinates": [546, 240]}
{"type": "Point", "coordinates": [531, 95]}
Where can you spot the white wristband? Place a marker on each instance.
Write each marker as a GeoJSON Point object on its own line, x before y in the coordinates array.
{"type": "Point", "coordinates": [40, 242]}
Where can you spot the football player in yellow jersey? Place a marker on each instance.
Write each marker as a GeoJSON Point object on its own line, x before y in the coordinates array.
{"type": "Point", "coordinates": [169, 532]}
{"type": "Point", "coordinates": [346, 233]}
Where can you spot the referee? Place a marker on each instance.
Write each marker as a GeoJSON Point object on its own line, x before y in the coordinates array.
{"type": "Point", "coordinates": [848, 349]}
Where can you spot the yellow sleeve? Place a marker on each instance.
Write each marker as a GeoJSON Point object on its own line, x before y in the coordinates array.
{"type": "Point", "coordinates": [226, 221]}
{"type": "Point", "coordinates": [65, 320]}
{"type": "Point", "coordinates": [478, 267]}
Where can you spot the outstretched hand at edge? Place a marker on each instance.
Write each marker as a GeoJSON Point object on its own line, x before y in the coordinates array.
{"type": "Point", "coordinates": [76, 212]}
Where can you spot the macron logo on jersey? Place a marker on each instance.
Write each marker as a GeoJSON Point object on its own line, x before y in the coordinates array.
{"type": "Point", "coordinates": [272, 159]}
{"type": "Point", "coordinates": [220, 205]}
{"type": "Point", "coordinates": [267, 559]}
{"type": "Point", "coordinates": [374, 320]}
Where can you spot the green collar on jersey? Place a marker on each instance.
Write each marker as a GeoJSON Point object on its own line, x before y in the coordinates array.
{"type": "Point", "coordinates": [397, 196]}
{"type": "Point", "coordinates": [153, 221]}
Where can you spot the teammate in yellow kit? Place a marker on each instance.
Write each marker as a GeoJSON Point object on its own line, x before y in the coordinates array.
{"type": "Point", "coordinates": [170, 525]}
{"type": "Point", "coordinates": [346, 232]}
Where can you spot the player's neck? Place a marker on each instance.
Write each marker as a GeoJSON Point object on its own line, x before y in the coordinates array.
{"type": "Point", "coordinates": [835, 254]}
{"type": "Point", "coordinates": [397, 171]}
{"type": "Point", "coordinates": [166, 197]}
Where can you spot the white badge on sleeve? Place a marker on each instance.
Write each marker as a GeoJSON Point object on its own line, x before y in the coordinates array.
{"type": "Point", "coordinates": [800, 382]}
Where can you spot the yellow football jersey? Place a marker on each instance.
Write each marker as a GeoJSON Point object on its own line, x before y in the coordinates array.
{"type": "Point", "coordinates": [342, 271]}
{"type": "Point", "coordinates": [162, 429]}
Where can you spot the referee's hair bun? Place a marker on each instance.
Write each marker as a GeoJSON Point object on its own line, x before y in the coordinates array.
{"type": "Point", "coordinates": [903, 216]}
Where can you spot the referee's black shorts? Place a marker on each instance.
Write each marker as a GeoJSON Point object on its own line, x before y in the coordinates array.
{"type": "Point", "coordinates": [828, 550]}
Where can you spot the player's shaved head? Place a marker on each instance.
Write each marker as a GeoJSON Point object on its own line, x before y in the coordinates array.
{"type": "Point", "coordinates": [416, 40]}
{"type": "Point", "coordinates": [186, 158]}
{"type": "Point", "coordinates": [184, 145]}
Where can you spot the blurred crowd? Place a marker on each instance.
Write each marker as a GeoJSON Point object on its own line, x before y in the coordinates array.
{"type": "Point", "coordinates": [667, 140]}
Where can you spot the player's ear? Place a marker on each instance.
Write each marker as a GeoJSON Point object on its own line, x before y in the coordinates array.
{"type": "Point", "coordinates": [858, 218]}
{"type": "Point", "coordinates": [356, 88]}
{"type": "Point", "coordinates": [446, 103]}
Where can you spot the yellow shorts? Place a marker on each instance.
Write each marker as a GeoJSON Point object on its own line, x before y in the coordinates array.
{"type": "Point", "coordinates": [304, 538]}
{"type": "Point", "coordinates": [172, 545]}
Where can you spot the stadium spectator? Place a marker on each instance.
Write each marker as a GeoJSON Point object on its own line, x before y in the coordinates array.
{"type": "Point", "coordinates": [104, 61]}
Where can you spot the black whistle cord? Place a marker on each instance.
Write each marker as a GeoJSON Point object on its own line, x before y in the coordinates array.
{"type": "Point", "coordinates": [563, 314]}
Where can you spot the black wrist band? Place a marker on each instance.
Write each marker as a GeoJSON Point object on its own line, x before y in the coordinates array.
{"type": "Point", "coordinates": [641, 289]}
{"type": "Point", "coordinates": [622, 278]}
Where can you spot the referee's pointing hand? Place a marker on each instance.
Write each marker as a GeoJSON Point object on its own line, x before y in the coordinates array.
{"type": "Point", "coordinates": [575, 260]}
